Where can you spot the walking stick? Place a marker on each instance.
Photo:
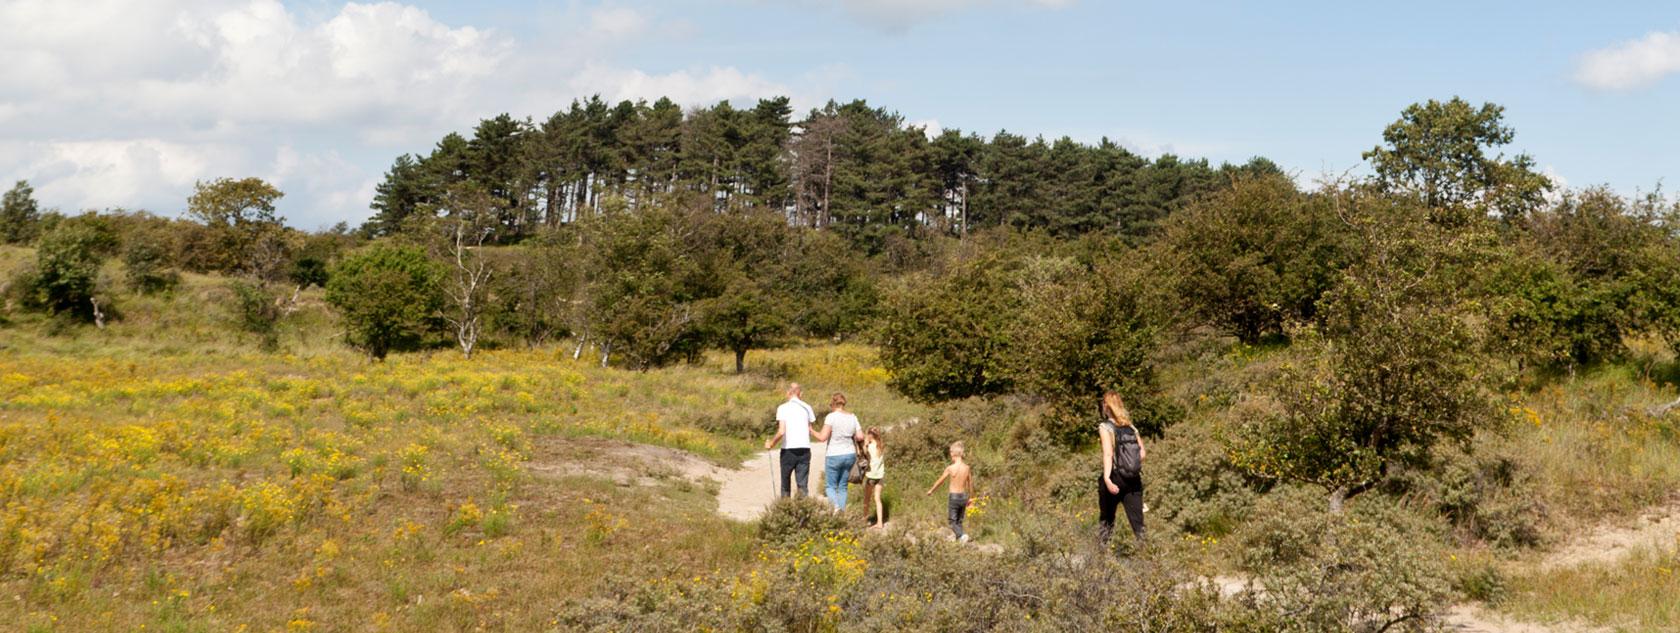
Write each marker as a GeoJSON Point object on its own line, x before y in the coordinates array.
{"type": "Point", "coordinates": [770, 456]}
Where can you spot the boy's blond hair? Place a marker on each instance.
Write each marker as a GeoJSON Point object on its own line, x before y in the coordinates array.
{"type": "Point", "coordinates": [957, 449]}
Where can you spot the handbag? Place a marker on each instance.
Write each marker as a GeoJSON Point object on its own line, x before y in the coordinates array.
{"type": "Point", "coordinates": [859, 466]}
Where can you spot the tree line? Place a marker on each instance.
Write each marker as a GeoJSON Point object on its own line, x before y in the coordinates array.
{"type": "Point", "coordinates": [850, 167]}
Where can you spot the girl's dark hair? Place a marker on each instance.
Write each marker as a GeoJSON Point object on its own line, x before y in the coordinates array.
{"type": "Point", "coordinates": [874, 433]}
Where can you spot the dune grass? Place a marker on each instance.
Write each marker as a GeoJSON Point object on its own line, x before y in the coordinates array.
{"type": "Point", "coordinates": [186, 482]}
{"type": "Point", "coordinates": [1637, 593]}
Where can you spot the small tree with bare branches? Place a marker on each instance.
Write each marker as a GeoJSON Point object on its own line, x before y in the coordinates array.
{"type": "Point", "coordinates": [467, 289]}
{"type": "Point", "coordinates": [471, 212]}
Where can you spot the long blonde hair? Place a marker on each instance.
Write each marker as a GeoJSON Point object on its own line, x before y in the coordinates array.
{"type": "Point", "coordinates": [1115, 409]}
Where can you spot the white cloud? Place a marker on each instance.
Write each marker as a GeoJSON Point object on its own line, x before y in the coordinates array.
{"type": "Point", "coordinates": [1631, 64]}
{"type": "Point", "coordinates": [691, 87]}
{"type": "Point", "coordinates": [900, 15]}
{"type": "Point", "coordinates": [102, 174]}
{"type": "Point", "coordinates": [1560, 185]}
{"type": "Point", "coordinates": [126, 103]}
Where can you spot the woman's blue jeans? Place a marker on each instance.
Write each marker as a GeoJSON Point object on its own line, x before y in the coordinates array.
{"type": "Point", "coordinates": [836, 469]}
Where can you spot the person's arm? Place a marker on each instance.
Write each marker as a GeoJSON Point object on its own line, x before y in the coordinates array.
{"type": "Point", "coordinates": [781, 430]}
{"type": "Point", "coordinates": [822, 434]}
{"type": "Point", "coordinates": [1108, 459]}
{"type": "Point", "coordinates": [942, 475]}
{"type": "Point", "coordinates": [1143, 451]}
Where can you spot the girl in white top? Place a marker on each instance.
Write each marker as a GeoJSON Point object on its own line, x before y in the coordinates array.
{"type": "Point", "coordinates": [873, 479]}
{"type": "Point", "coordinates": [840, 431]}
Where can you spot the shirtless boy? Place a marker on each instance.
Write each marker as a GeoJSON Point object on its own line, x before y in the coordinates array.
{"type": "Point", "coordinates": [962, 483]}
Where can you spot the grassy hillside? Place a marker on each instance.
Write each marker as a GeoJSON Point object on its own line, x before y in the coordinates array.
{"type": "Point", "coordinates": [160, 473]}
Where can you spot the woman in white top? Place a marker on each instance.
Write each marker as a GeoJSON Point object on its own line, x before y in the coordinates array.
{"type": "Point", "coordinates": [840, 431]}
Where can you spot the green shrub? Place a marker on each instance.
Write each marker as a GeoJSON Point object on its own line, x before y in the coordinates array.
{"type": "Point", "coordinates": [1375, 568]}
{"type": "Point", "coordinates": [1481, 581]}
{"type": "Point", "coordinates": [947, 337]}
{"type": "Point", "coordinates": [1254, 258]}
{"type": "Point", "coordinates": [1395, 367]}
{"type": "Point", "coordinates": [256, 309]}
{"type": "Point", "coordinates": [1484, 490]}
{"type": "Point", "coordinates": [308, 271]}
{"type": "Point", "coordinates": [147, 267]}
{"type": "Point", "coordinates": [1193, 485]}
{"type": "Point", "coordinates": [65, 278]}
{"type": "Point", "coordinates": [1083, 331]}
{"type": "Point", "coordinates": [791, 520]}
{"type": "Point", "coordinates": [389, 297]}
{"type": "Point", "coordinates": [1060, 583]}
{"type": "Point", "coordinates": [736, 424]}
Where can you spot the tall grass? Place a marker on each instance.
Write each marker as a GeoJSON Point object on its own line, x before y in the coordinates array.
{"type": "Point", "coordinates": [191, 483]}
{"type": "Point", "coordinates": [1638, 593]}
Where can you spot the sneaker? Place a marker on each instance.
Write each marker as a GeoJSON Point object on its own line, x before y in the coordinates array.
{"type": "Point", "coordinates": [962, 539]}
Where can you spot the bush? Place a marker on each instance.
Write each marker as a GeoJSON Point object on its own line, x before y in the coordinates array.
{"type": "Point", "coordinates": [1253, 258]}
{"type": "Point", "coordinates": [1485, 492]}
{"type": "Point", "coordinates": [1376, 568]}
{"type": "Point", "coordinates": [65, 277]}
{"type": "Point", "coordinates": [1082, 331]}
{"type": "Point", "coordinates": [256, 309]}
{"type": "Point", "coordinates": [308, 271]}
{"type": "Point", "coordinates": [147, 267]}
{"type": "Point", "coordinates": [947, 337]}
{"type": "Point", "coordinates": [835, 582]}
{"type": "Point", "coordinates": [791, 520]}
{"type": "Point", "coordinates": [1395, 367]}
{"type": "Point", "coordinates": [1193, 485]}
{"type": "Point", "coordinates": [736, 424]}
{"type": "Point", "coordinates": [389, 297]}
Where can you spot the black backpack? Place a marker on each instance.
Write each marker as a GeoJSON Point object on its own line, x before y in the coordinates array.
{"type": "Point", "coordinates": [1128, 458]}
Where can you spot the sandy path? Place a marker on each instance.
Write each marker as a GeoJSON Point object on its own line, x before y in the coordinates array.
{"type": "Point", "coordinates": [748, 490]}
{"type": "Point", "coordinates": [1657, 528]}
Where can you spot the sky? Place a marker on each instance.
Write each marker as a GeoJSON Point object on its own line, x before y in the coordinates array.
{"type": "Point", "coordinates": [128, 103]}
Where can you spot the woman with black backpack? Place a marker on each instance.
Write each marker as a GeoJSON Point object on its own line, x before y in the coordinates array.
{"type": "Point", "coordinates": [1121, 482]}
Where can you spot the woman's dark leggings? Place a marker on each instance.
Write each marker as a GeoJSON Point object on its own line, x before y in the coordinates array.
{"type": "Point", "coordinates": [1131, 495]}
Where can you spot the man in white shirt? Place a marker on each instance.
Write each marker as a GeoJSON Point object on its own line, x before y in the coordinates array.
{"type": "Point", "coordinates": [793, 424]}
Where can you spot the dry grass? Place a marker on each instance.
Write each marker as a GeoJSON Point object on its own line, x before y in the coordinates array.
{"type": "Point", "coordinates": [183, 482]}
{"type": "Point", "coordinates": [1636, 594]}
{"type": "Point", "coordinates": [1595, 453]}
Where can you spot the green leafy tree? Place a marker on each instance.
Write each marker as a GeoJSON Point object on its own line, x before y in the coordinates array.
{"type": "Point", "coordinates": [533, 287]}
{"type": "Point", "coordinates": [242, 231]}
{"type": "Point", "coordinates": [65, 278]}
{"type": "Point", "coordinates": [1082, 331]}
{"type": "Point", "coordinates": [1439, 151]}
{"type": "Point", "coordinates": [257, 309]}
{"type": "Point", "coordinates": [1394, 367]}
{"type": "Point", "coordinates": [20, 215]}
{"type": "Point", "coordinates": [1253, 258]}
{"type": "Point", "coordinates": [645, 276]}
{"type": "Point", "coordinates": [947, 337]}
{"type": "Point", "coordinates": [389, 297]}
{"type": "Point", "coordinates": [744, 318]}
{"type": "Point", "coordinates": [748, 302]}
{"type": "Point", "coordinates": [1588, 273]}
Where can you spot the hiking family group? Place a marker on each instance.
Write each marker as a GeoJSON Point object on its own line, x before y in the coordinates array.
{"type": "Point", "coordinates": [858, 456]}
